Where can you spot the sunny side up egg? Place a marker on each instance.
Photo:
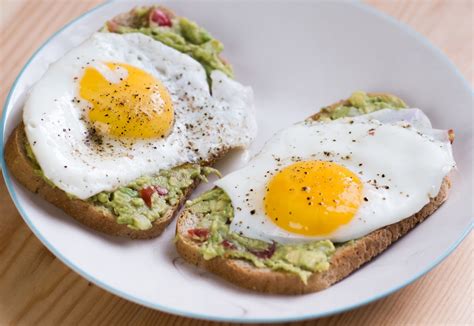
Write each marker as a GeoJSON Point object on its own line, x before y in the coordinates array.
{"type": "Point", "coordinates": [121, 106]}
{"type": "Point", "coordinates": [339, 180]}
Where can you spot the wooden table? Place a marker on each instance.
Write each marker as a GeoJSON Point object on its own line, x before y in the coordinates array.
{"type": "Point", "coordinates": [36, 288]}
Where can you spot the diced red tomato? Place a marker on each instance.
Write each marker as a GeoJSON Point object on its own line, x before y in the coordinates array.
{"type": "Point", "coordinates": [199, 233]}
{"type": "Point", "coordinates": [228, 245]}
{"type": "Point", "coordinates": [146, 194]}
{"type": "Point", "coordinates": [265, 253]}
{"type": "Point", "coordinates": [159, 17]}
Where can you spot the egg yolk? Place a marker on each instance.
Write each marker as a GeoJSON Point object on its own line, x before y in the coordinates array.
{"type": "Point", "coordinates": [313, 198]}
{"type": "Point", "coordinates": [134, 106]}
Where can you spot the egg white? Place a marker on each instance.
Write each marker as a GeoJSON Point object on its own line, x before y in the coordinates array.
{"type": "Point", "coordinates": [407, 158]}
{"type": "Point", "coordinates": [204, 123]}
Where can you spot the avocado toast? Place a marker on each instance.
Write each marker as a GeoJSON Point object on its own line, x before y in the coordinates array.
{"type": "Point", "coordinates": [96, 213]}
{"type": "Point", "coordinates": [144, 207]}
{"type": "Point", "coordinates": [204, 238]}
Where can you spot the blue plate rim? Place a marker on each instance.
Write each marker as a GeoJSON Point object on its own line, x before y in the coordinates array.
{"type": "Point", "coordinates": [408, 30]}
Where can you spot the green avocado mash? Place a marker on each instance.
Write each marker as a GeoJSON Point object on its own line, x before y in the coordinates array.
{"type": "Point", "coordinates": [183, 35]}
{"type": "Point", "coordinates": [361, 103]}
{"type": "Point", "coordinates": [215, 212]}
{"type": "Point", "coordinates": [127, 203]}
{"type": "Point", "coordinates": [37, 169]}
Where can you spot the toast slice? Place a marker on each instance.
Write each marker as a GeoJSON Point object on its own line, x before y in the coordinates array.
{"type": "Point", "coordinates": [94, 216]}
{"type": "Point", "coordinates": [24, 169]}
{"type": "Point", "coordinates": [346, 259]}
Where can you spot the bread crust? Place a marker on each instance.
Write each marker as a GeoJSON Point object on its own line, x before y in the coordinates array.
{"type": "Point", "coordinates": [95, 217]}
{"type": "Point", "coordinates": [346, 259]}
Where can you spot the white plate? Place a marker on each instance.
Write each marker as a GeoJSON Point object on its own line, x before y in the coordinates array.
{"type": "Point", "coordinates": [298, 57]}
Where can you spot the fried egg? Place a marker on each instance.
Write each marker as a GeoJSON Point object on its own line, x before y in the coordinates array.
{"type": "Point", "coordinates": [339, 180]}
{"type": "Point", "coordinates": [121, 106]}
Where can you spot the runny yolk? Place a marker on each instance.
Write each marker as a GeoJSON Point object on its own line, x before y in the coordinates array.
{"type": "Point", "coordinates": [313, 198]}
{"type": "Point", "coordinates": [133, 106]}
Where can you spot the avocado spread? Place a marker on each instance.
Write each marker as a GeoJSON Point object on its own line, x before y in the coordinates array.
{"type": "Point", "coordinates": [147, 198]}
{"type": "Point", "coordinates": [176, 32]}
{"type": "Point", "coordinates": [361, 103]}
{"type": "Point", "coordinates": [215, 212]}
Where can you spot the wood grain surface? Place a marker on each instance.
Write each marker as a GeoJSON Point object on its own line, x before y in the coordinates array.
{"type": "Point", "coordinates": [36, 288]}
